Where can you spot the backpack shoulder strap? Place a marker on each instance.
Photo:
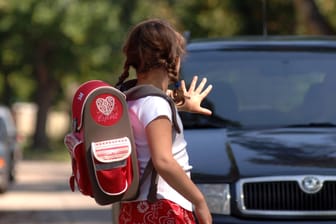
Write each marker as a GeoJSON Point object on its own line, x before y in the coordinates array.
{"type": "Point", "coordinates": [149, 169]}
{"type": "Point", "coordinates": [150, 90]}
{"type": "Point", "coordinates": [140, 91]}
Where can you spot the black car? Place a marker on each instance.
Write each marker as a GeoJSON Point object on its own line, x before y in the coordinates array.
{"type": "Point", "coordinates": [268, 152]}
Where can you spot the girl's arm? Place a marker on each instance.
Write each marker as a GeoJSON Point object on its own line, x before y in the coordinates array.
{"type": "Point", "coordinates": [159, 136]}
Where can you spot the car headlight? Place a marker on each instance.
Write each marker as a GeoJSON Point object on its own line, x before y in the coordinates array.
{"type": "Point", "coordinates": [217, 196]}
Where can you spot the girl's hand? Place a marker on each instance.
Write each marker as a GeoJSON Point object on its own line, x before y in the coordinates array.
{"type": "Point", "coordinates": [203, 214]}
{"type": "Point", "coordinates": [194, 96]}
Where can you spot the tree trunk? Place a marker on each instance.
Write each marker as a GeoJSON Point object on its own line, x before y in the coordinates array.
{"type": "Point", "coordinates": [127, 10]}
{"type": "Point", "coordinates": [45, 95]}
{"type": "Point", "coordinates": [7, 91]}
{"type": "Point", "coordinates": [310, 20]}
{"type": "Point", "coordinates": [46, 89]}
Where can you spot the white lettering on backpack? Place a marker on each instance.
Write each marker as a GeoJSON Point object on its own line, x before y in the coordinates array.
{"type": "Point", "coordinates": [105, 106]}
{"type": "Point", "coordinates": [112, 150]}
{"type": "Point", "coordinates": [80, 96]}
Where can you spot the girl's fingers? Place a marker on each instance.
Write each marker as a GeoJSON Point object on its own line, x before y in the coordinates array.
{"type": "Point", "coordinates": [193, 84]}
{"type": "Point", "coordinates": [205, 111]}
{"type": "Point", "coordinates": [201, 85]}
{"type": "Point", "coordinates": [183, 86]}
{"type": "Point", "coordinates": [206, 91]}
{"type": "Point", "coordinates": [169, 93]}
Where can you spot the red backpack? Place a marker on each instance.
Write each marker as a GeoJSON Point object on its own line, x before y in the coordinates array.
{"type": "Point", "coordinates": [101, 143]}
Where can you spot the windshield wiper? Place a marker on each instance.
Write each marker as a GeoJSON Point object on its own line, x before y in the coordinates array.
{"type": "Point", "coordinates": [313, 125]}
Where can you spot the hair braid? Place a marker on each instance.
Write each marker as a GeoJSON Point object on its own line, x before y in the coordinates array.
{"type": "Point", "coordinates": [178, 94]}
{"type": "Point", "coordinates": [123, 75]}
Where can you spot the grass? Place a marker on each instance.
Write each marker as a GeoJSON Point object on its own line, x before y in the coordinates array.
{"type": "Point", "coordinates": [56, 152]}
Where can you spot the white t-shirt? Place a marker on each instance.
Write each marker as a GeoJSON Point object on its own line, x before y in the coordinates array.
{"type": "Point", "coordinates": [142, 111]}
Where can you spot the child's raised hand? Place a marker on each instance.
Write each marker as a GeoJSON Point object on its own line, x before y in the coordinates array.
{"type": "Point", "coordinates": [194, 96]}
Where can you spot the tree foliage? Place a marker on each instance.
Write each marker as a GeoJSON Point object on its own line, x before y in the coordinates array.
{"type": "Point", "coordinates": [46, 45]}
{"type": "Point", "coordinates": [53, 42]}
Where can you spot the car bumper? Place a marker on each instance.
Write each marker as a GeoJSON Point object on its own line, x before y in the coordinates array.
{"type": "Point", "coordinates": [234, 220]}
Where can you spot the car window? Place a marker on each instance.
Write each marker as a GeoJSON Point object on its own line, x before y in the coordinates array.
{"type": "Point", "coordinates": [266, 88]}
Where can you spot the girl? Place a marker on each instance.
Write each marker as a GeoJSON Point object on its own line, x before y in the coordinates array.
{"type": "Point", "coordinates": [154, 49]}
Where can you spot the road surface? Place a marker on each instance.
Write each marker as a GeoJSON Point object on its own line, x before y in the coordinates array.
{"type": "Point", "coordinates": [41, 196]}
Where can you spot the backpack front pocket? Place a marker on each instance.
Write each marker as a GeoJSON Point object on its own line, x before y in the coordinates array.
{"type": "Point", "coordinates": [112, 162]}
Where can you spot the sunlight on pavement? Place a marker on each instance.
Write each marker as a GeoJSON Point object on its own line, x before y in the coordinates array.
{"type": "Point", "coordinates": [41, 194]}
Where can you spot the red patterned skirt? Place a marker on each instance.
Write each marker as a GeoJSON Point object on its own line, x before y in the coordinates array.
{"type": "Point", "coordinates": [160, 212]}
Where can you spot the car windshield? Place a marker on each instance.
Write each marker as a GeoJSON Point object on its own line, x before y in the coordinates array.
{"type": "Point", "coordinates": [264, 88]}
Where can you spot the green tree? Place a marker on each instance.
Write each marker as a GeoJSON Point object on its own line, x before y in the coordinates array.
{"type": "Point", "coordinates": [48, 44]}
{"type": "Point", "coordinates": [310, 19]}
{"type": "Point", "coordinates": [53, 42]}
{"type": "Point", "coordinates": [218, 18]}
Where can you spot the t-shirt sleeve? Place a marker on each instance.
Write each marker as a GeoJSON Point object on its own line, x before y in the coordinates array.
{"type": "Point", "coordinates": [154, 107]}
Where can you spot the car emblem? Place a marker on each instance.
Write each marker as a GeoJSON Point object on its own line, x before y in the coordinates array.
{"type": "Point", "coordinates": [311, 184]}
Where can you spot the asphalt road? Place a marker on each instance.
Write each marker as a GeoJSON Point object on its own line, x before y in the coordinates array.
{"type": "Point", "coordinates": [41, 196]}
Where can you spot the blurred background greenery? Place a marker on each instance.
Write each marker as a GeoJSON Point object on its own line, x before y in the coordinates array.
{"type": "Point", "coordinates": [48, 47]}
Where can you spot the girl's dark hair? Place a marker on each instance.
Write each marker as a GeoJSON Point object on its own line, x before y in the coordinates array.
{"type": "Point", "coordinates": [153, 44]}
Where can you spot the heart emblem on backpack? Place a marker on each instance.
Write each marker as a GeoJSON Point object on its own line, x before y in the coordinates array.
{"type": "Point", "coordinates": [105, 106]}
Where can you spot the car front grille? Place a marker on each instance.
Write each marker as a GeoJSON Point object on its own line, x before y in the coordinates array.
{"type": "Point", "coordinates": [287, 196]}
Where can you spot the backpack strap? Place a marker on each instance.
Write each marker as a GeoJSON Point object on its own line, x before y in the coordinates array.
{"type": "Point", "coordinates": [133, 93]}
{"type": "Point", "coordinates": [151, 196]}
{"type": "Point", "coordinates": [150, 90]}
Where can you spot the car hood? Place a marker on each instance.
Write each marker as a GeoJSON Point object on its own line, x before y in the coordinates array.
{"type": "Point", "coordinates": [224, 155]}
